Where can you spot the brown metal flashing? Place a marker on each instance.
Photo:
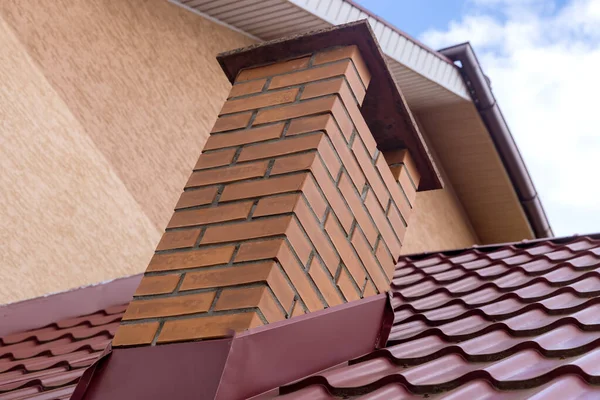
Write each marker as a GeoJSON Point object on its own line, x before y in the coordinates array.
{"type": "Point", "coordinates": [384, 108]}
{"type": "Point", "coordinates": [273, 355]}
{"type": "Point", "coordinates": [42, 311]}
{"type": "Point", "coordinates": [250, 363]}
{"type": "Point", "coordinates": [176, 371]}
{"type": "Point", "coordinates": [490, 112]}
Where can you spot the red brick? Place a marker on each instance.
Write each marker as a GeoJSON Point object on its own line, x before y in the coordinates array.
{"type": "Point", "coordinates": [314, 197]}
{"type": "Point", "coordinates": [317, 236]}
{"type": "Point", "coordinates": [298, 162]}
{"type": "Point", "coordinates": [321, 88]}
{"type": "Point", "coordinates": [227, 174]}
{"type": "Point", "coordinates": [337, 85]}
{"type": "Point", "coordinates": [206, 327]}
{"type": "Point", "coordinates": [259, 250]}
{"type": "Point", "coordinates": [402, 156]}
{"type": "Point", "coordinates": [327, 124]}
{"type": "Point", "coordinates": [248, 297]}
{"type": "Point", "coordinates": [169, 306]}
{"type": "Point", "coordinates": [244, 88]}
{"type": "Point", "coordinates": [387, 233]}
{"type": "Point", "coordinates": [357, 208]}
{"type": "Point", "coordinates": [385, 259]}
{"type": "Point", "coordinates": [265, 187]}
{"type": "Point", "coordinates": [157, 284]}
{"type": "Point", "coordinates": [397, 223]}
{"type": "Point", "coordinates": [392, 186]}
{"type": "Point", "coordinates": [203, 257]}
{"type": "Point", "coordinates": [178, 239]}
{"type": "Point", "coordinates": [298, 310]}
{"type": "Point", "coordinates": [343, 68]}
{"type": "Point", "coordinates": [259, 101]}
{"type": "Point", "coordinates": [308, 124]}
{"type": "Point", "coordinates": [273, 69]}
{"type": "Point", "coordinates": [308, 107]}
{"type": "Point", "coordinates": [400, 174]}
{"type": "Point", "coordinates": [210, 215]}
{"type": "Point", "coordinates": [274, 205]}
{"type": "Point", "coordinates": [333, 196]}
{"type": "Point", "coordinates": [324, 283]}
{"type": "Point", "coordinates": [240, 274]}
{"type": "Point", "coordinates": [370, 172]}
{"type": "Point", "coordinates": [215, 159]}
{"type": "Point", "coordinates": [230, 122]}
{"type": "Point", "coordinates": [196, 197]}
{"type": "Point", "coordinates": [252, 135]}
{"type": "Point", "coordinates": [135, 334]}
{"type": "Point", "coordinates": [316, 123]}
{"type": "Point", "coordinates": [299, 243]}
{"type": "Point", "coordinates": [296, 274]}
{"type": "Point", "coordinates": [345, 250]}
{"type": "Point", "coordinates": [344, 282]}
{"type": "Point", "coordinates": [341, 53]}
{"type": "Point", "coordinates": [281, 147]}
{"type": "Point", "coordinates": [370, 290]}
{"type": "Point", "coordinates": [364, 252]}
{"type": "Point", "coordinates": [340, 87]}
{"type": "Point", "coordinates": [246, 230]}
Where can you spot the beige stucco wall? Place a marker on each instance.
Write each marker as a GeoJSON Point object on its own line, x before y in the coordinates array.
{"type": "Point", "coordinates": [104, 106]}
{"type": "Point", "coordinates": [439, 220]}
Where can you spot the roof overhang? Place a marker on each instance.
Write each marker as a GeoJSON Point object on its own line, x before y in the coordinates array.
{"type": "Point", "coordinates": [426, 78]}
{"type": "Point", "coordinates": [384, 108]}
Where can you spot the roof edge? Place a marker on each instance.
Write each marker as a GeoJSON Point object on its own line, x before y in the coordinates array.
{"type": "Point", "coordinates": [393, 27]}
{"type": "Point", "coordinates": [492, 117]}
{"type": "Point", "coordinates": [488, 248]}
{"type": "Point", "coordinates": [45, 310]}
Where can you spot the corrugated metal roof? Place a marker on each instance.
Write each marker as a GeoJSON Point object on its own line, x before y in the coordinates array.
{"type": "Point", "coordinates": [425, 77]}
{"type": "Point", "coordinates": [515, 321]}
{"type": "Point", "coordinates": [47, 363]}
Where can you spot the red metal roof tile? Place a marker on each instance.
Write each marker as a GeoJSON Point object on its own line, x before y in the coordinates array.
{"type": "Point", "coordinates": [46, 363]}
{"type": "Point", "coordinates": [512, 321]}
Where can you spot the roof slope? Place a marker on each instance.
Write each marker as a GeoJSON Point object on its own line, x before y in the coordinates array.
{"type": "Point", "coordinates": [510, 321]}
{"type": "Point", "coordinates": [46, 363]}
{"type": "Point", "coordinates": [519, 321]}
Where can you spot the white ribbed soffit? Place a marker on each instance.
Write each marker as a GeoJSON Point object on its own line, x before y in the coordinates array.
{"type": "Point", "coordinates": [425, 78]}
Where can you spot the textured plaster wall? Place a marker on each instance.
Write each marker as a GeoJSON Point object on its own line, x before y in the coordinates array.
{"type": "Point", "coordinates": [439, 221]}
{"type": "Point", "coordinates": [104, 107]}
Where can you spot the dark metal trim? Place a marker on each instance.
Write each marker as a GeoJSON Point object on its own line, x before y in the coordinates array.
{"type": "Point", "coordinates": [481, 93]}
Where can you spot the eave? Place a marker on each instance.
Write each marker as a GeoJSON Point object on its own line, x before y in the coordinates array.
{"type": "Point", "coordinates": [425, 77]}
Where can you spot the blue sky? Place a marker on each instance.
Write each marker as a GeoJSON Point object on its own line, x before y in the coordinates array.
{"type": "Point", "coordinates": [543, 58]}
{"type": "Point", "coordinates": [416, 16]}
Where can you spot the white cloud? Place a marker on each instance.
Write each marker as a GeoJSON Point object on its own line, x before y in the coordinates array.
{"type": "Point", "coordinates": [544, 64]}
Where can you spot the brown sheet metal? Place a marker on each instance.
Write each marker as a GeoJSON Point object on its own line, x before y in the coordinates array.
{"type": "Point", "coordinates": [176, 371]}
{"type": "Point", "coordinates": [42, 311]}
{"type": "Point", "coordinates": [267, 357]}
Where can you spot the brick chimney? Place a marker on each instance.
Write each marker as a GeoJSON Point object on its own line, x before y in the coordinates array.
{"type": "Point", "coordinates": [294, 205]}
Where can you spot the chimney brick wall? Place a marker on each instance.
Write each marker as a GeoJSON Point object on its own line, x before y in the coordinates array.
{"type": "Point", "coordinates": [291, 208]}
